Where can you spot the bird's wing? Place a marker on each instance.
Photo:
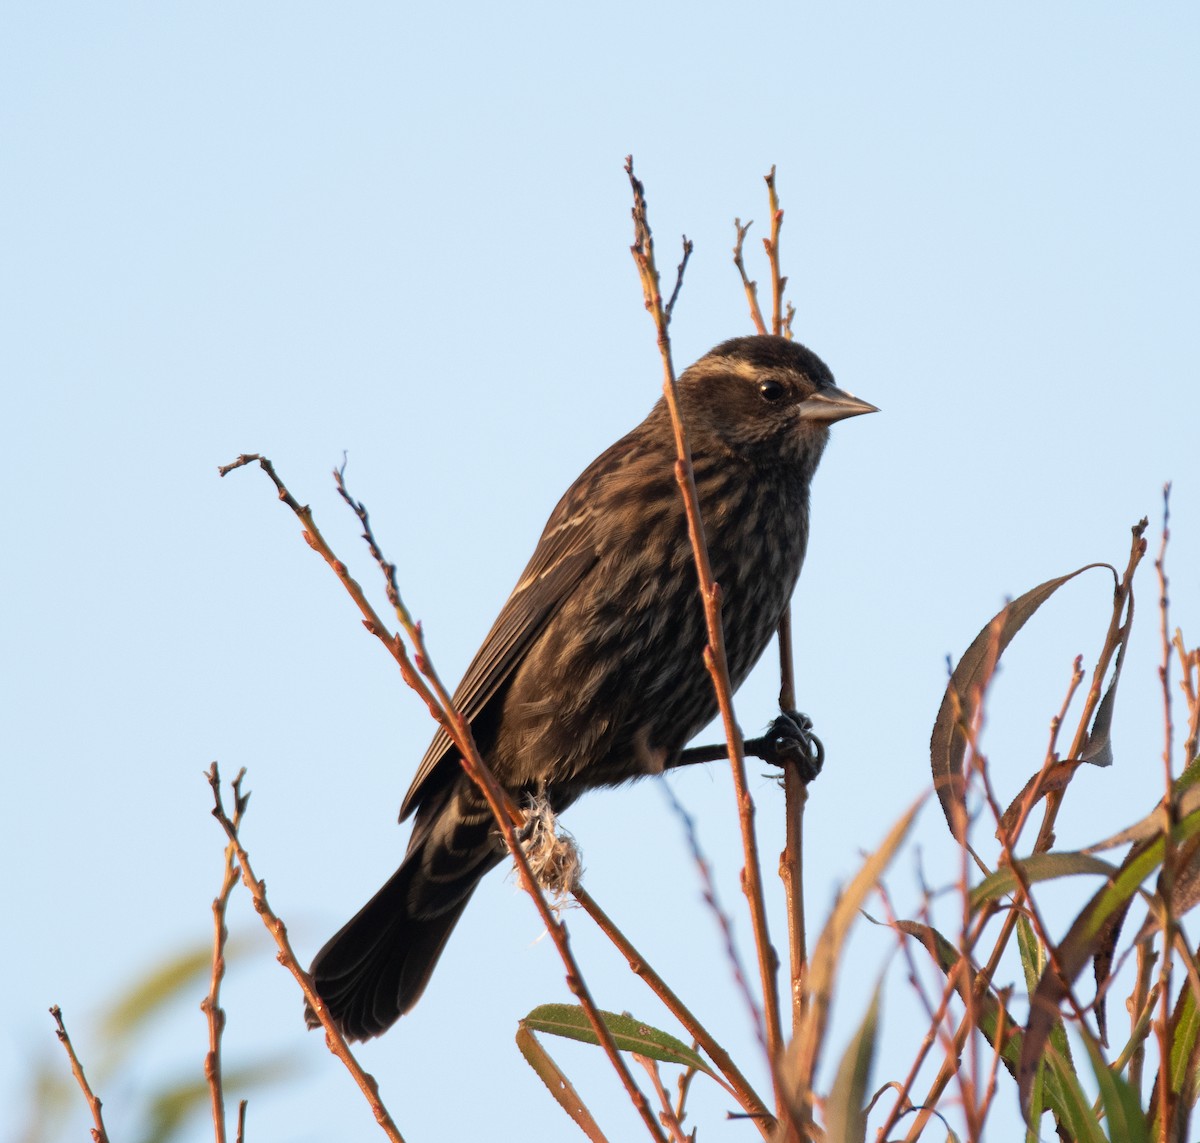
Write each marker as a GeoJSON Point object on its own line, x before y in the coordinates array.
{"type": "Point", "coordinates": [565, 554]}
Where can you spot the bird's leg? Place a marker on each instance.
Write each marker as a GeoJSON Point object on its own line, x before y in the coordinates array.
{"type": "Point", "coordinates": [788, 742]}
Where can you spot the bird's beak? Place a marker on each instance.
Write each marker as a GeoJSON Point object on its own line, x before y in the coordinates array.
{"type": "Point", "coordinates": [833, 404]}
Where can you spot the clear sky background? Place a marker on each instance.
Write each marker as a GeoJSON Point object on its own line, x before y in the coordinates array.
{"type": "Point", "coordinates": [401, 233]}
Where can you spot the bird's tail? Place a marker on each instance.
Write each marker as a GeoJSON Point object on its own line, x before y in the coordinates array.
{"type": "Point", "coordinates": [376, 966]}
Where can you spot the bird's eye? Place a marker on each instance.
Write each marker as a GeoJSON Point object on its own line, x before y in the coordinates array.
{"type": "Point", "coordinates": [771, 390]}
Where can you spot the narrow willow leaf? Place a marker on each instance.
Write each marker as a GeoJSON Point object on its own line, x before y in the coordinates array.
{"type": "Point", "coordinates": [1123, 1113]}
{"type": "Point", "coordinates": [1083, 939]}
{"type": "Point", "coordinates": [1033, 955]}
{"type": "Point", "coordinates": [1033, 964]}
{"type": "Point", "coordinates": [845, 1110]}
{"type": "Point", "coordinates": [1187, 800]}
{"type": "Point", "coordinates": [559, 1086]}
{"type": "Point", "coordinates": [948, 746]}
{"type": "Point", "coordinates": [800, 1062]}
{"type": "Point", "coordinates": [994, 1021]}
{"type": "Point", "coordinates": [1185, 1025]}
{"type": "Point", "coordinates": [630, 1035]}
{"type": "Point", "coordinates": [1097, 748]}
{"type": "Point", "coordinates": [1038, 867]}
{"type": "Point", "coordinates": [1037, 1105]}
{"type": "Point", "coordinates": [1076, 1110]}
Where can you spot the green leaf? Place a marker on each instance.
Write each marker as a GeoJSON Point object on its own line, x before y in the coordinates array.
{"type": "Point", "coordinates": [1123, 1112]}
{"type": "Point", "coordinates": [845, 1111]}
{"type": "Point", "coordinates": [559, 1086]}
{"type": "Point", "coordinates": [1033, 955]}
{"type": "Point", "coordinates": [1038, 867]}
{"type": "Point", "coordinates": [1085, 936]}
{"type": "Point", "coordinates": [1185, 1026]}
{"type": "Point", "coordinates": [1074, 1108]}
{"type": "Point", "coordinates": [1055, 1087]}
{"type": "Point", "coordinates": [948, 745]}
{"type": "Point", "coordinates": [800, 1062]}
{"type": "Point", "coordinates": [1187, 800]}
{"type": "Point", "coordinates": [630, 1035]}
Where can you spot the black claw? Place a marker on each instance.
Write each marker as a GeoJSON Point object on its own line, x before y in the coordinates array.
{"type": "Point", "coordinates": [791, 742]}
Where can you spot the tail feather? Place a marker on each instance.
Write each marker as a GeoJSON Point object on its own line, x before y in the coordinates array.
{"type": "Point", "coordinates": [376, 966]}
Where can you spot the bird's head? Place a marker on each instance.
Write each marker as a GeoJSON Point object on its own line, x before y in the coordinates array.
{"type": "Point", "coordinates": [765, 399]}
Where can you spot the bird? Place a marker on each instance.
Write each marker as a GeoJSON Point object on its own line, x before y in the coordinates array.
{"type": "Point", "coordinates": [593, 673]}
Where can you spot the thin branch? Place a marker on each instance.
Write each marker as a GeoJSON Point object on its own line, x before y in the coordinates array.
{"type": "Point", "coordinates": [684, 1086]}
{"type": "Point", "coordinates": [687, 253]}
{"type": "Point", "coordinates": [778, 281]}
{"type": "Point", "coordinates": [750, 287]}
{"type": "Point", "coordinates": [333, 1037]}
{"type": "Point", "coordinates": [1189, 683]}
{"type": "Point", "coordinates": [714, 654]}
{"type": "Point", "coordinates": [424, 680]}
{"type": "Point", "coordinates": [714, 906]}
{"type": "Point", "coordinates": [667, 1115]}
{"type": "Point", "coordinates": [211, 1006]}
{"type": "Point", "coordinates": [99, 1135]}
{"type": "Point", "coordinates": [795, 791]}
{"type": "Point", "coordinates": [1118, 632]}
{"type": "Point", "coordinates": [1167, 1096]}
{"type": "Point", "coordinates": [439, 700]}
{"type": "Point", "coordinates": [741, 1087]}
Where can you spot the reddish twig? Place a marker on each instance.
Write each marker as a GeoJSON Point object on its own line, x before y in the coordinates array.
{"type": "Point", "coordinates": [739, 1085]}
{"type": "Point", "coordinates": [771, 245]}
{"type": "Point", "coordinates": [667, 1115]}
{"type": "Point", "coordinates": [211, 1006]}
{"type": "Point", "coordinates": [1167, 1096]}
{"type": "Point", "coordinates": [287, 957]}
{"type": "Point", "coordinates": [99, 1135]}
{"type": "Point", "coordinates": [714, 654]}
{"type": "Point", "coordinates": [795, 791]}
{"type": "Point", "coordinates": [687, 253]}
{"type": "Point", "coordinates": [437, 699]}
{"type": "Point", "coordinates": [750, 287]}
{"type": "Point", "coordinates": [430, 687]}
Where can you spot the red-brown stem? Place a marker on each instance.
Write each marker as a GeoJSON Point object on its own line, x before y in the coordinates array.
{"type": "Point", "coordinates": [949, 1067]}
{"type": "Point", "coordinates": [1122, 615]}
{"type": "Point", "coordinates": [428, 684]}
{"type": "Point", "coordinates": [791, 860]}
{"type": "Point", "coordinates": [211, 1006]}
{"type": "Point", "coordinates": [1167, 1098]}
{"type": "Point", "coordinates": [745, 1093]}
{"type": "Point", "coordinates": [795, 792]}
{"type": "Point", "coordinates": [99, 1135]}
{"type": "Point", "coordinates": [286, 957]}
{"type": "Point", "coordinates": [475, 767]}
{"type": "Point", "coordinates": [667, 1115]}
{"type": "Point", "coordinates": [714, 654]}
{"type": "Point", "coordinates": [750, 287]}
{"type": "Point", "coordinates": [446, 717]}
{"type": "Point", "coordinates": [1189, 665]}
{"type": "Point", "coordinates": [1122, 607]}
{"type": "Point", "coordinates": [778, 281]}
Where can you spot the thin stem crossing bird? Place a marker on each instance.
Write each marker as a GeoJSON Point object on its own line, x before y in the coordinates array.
{"type": "Point", "coordinates": [593, 674]}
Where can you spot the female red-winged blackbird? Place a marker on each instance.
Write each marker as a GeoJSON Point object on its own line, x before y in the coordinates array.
{"type": "Point", "coordinates": [593, 673]}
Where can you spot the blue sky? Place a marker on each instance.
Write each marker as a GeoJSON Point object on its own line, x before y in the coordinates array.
{"type": "Point", "coordinates": [403, 235]}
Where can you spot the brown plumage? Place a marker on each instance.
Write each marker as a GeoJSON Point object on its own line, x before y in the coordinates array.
{"type": "Point", "coordinates": [594, 667]}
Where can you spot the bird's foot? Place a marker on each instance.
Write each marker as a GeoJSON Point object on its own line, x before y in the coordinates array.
{"type": "Point", "coordinates": [790, 741]}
